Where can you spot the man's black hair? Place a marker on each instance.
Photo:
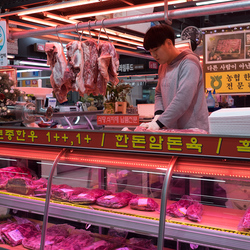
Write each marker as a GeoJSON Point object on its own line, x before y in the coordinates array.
{"type": "Point", "coordinates": [157, 35]}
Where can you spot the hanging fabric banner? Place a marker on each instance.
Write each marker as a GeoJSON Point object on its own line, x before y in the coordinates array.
{"type": "Point", "coordinates": [3, 44]}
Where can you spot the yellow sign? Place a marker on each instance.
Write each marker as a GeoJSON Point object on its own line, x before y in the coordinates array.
{"type": "Point", "coordinates": [229, 81]}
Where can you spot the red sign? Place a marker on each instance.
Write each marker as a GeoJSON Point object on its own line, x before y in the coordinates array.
{"type": "Point", "coordinates": [39, 47]}
{"type": "Point", "coordinates": [153, 65]}
{"type": "Point", "coordinates": [171, 143]}
{"type": "Point", "coordinates": [115, 120]}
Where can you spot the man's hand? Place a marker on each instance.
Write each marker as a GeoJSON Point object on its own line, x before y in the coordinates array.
{"type": "Point", "coordinates": [150, 125]}
{"type": "Point", "coordinates": [156, 118]}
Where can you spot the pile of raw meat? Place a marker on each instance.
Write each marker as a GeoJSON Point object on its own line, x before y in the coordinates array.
{"type": "Point", "coordinates": [169, 130]}
{"type": "Point", "coordinates": [20, 180]}
{"type": "Point", "coordinates": [87, 69]}
{"type": "Point", "coordinates": [244, 224]}
{"type": "Point", "coordinates": [20, 231]}
{"type": "Point", "coordinates": [186, 207]}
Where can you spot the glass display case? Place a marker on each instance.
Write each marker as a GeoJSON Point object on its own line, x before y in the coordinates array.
{"type": "Point", "coordinates": [123, 199]}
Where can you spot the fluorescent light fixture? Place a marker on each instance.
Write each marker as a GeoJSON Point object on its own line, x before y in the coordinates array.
{"type": "Point", "coordinates": [10, 56]}
{"type": "Point", "coordinates": [33, 63]}
{"type": "Point", "coordinates": [39, 21]}
{"type": "Point", "coordinates": [196, 178]}
{"type": "Point", "coordinates": [6, 159]}
{"type": "Point", "coordinates": [27, 70]}
{"type": "Point", "coordinates": [59, 18]}
{"type": "Point", "coordinates": [58, 6]}
{"type": "Point", "coordinates": [36, 59]}
{"type": "Point", "coordinates": [212, 2]}
{"type": "Point", "coordinates": [48, 23]}
{"type": "Point", "coordinates": [134, 7]}
{"type": "Point", "coordinates": [109, 31]}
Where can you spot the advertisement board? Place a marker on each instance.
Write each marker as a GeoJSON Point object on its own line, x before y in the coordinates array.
{"type": "Point", "coordinates": [227, 60]}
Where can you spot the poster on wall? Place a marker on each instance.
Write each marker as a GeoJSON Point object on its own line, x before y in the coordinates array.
{"type": "Point", "coordinates": [227, 60]}
{"type": "Point", "coordinates": [3, 44]}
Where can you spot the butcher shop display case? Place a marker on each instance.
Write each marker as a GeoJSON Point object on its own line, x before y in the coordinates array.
{"type": "Point", "coordinates": [123, 190]}
{"type": "Point", "coordinates": [78, 119]}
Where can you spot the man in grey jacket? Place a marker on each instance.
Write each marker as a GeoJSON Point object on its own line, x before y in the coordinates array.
{"type": "Point", "coordinates": [180, 101]}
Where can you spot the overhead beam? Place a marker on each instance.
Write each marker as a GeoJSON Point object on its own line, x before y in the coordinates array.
{"type": "Point", "coordinates": [212, 9]}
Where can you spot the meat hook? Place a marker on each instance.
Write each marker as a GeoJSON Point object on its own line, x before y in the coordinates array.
{"type": "Point", "coordinates": [89, 29]}
{"type": "Point", "coordinates": [58, 36]}
{"type": "Point", "coordinates": [80, 36]}
{"type": "Point", "coordinates": [105, 29]}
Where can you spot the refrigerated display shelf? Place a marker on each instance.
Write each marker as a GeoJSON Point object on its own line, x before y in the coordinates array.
{"type": "Point", "coordinates": [212, 231]}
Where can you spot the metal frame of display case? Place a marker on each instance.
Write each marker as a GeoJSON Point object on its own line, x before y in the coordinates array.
{"type": "Point", "coordinates": [164, 229]}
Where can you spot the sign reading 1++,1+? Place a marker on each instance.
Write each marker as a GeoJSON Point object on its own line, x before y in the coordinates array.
{"type": "Point", "coordinates": [226, 61]}
{"type": "Point", "coordinates": [173, 144]}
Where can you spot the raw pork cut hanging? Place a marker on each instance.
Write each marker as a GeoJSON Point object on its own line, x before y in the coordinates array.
{"type": "Point", "coordinates": [60, 77]}
{"type": "Point", "coordinates": [108, 65]}
{"type": "Point", "coordinates": [90, 70]}
{"type": "Point", "coordinates": [76, 64]}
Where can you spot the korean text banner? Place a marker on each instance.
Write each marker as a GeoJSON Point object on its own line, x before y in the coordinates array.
{"type": "Point", "coordinates": [227, 60]}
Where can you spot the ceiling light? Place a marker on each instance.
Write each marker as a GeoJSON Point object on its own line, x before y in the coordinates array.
{"type": "Point", "coordinates": [48, 23]}
{"type": "Point", "coordinates": [109, 31]}
{"type": "Point", "coordinates": [57, 6]}
{"type": "Point", "coordinates": [59, 18]}
{"type": "Point", "coordinates": [27, 70]}
{"type": "Point", "coordinates": [212, 2]}
{"type": "Point", "coordinates": [134, 7]}
{"type": "Point", "coordinates": [40, 21]}
{"type": "Point", "coordinates": [10, 56]}
{"type": "Point", "coordinates": [33, 63]}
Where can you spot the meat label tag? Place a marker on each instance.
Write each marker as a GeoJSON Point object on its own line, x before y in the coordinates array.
{"type": "Point", "coordinates": [16, 235]}
{"type": "Point", "coordinates": [183, 210]}
{"type": "Point", "coordinates": [81, 195]}
{"type": "Point", "coordinates": [47, 242]}
{"type": "Point", "coordinates": [143, 202]}
{"type": "Point", "coordinates": [66, 190]}
{"type": "Point", "coordinates": [108, 197]}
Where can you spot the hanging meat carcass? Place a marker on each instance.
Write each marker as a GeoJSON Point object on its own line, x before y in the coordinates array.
{"type": "Point", "coordinates": [90, 53]}
{"type": "Point", "coordinates": [108, 65]}
{"type": "Point", "coordinates": [60, 78]}
{"type": "Point", "coordinates": [87, 69]}
{"type": "Point", "coordinates": [76, 64]}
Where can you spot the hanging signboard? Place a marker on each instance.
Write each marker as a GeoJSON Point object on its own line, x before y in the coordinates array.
{"type": "Point", "coordinates": [3, 44]}
{"type": "Point", "coordinates": [227, 60]}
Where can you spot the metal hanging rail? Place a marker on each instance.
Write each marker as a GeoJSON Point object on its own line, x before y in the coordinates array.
{"type": "Point", "coordinates": [212, 9]}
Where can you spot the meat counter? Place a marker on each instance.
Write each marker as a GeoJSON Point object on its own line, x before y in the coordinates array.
{"type": "Point", "coordinates": [169, 198]}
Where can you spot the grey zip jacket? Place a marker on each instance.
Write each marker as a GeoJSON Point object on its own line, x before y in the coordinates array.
{"type": "Point", "coordinates": [180, 93]}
